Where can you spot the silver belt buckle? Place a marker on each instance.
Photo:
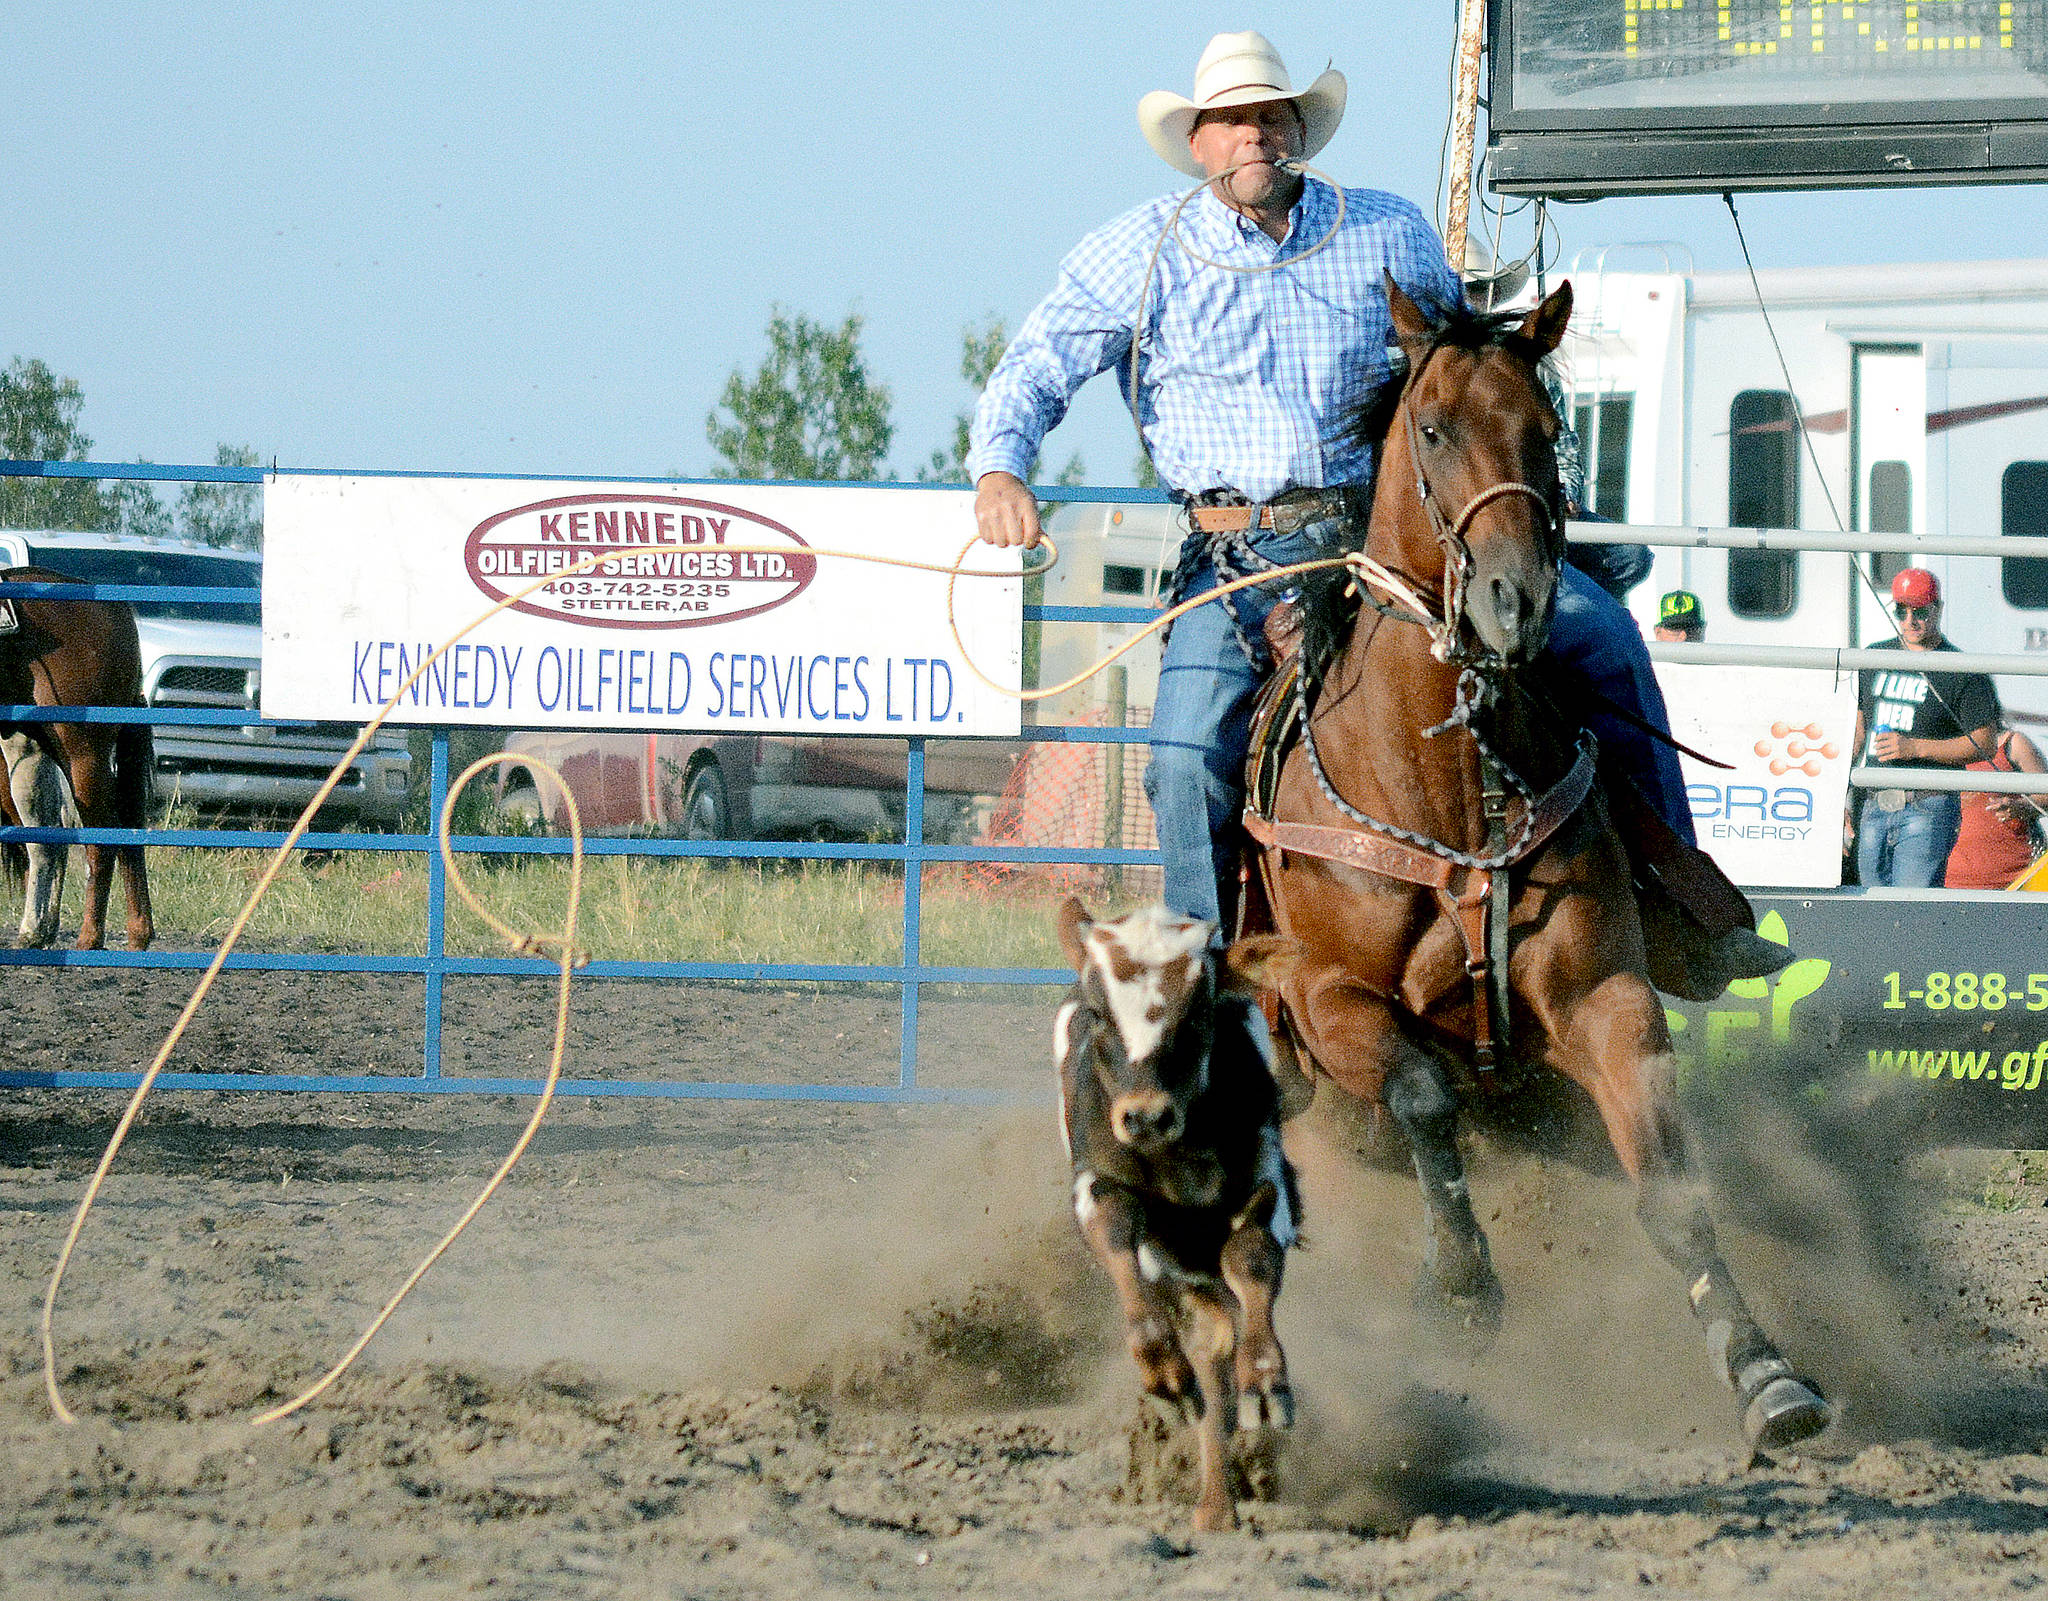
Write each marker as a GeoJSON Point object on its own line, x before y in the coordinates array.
{"type": "Point", "coordinates": [1890, 800]}
{"type": "Point", "coordinates": [10, 619]}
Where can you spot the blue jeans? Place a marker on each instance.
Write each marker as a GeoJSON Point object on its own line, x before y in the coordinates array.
{"type": "Point", "coordinates": [1201, 725]}
{"type": "Point", "coordinates": [1908, 848]}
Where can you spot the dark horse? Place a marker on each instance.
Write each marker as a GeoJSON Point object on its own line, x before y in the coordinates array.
{"type": "Point", "coordinates": [1433, 768]}
{"type": "Point", "coordinates": [84, 653]}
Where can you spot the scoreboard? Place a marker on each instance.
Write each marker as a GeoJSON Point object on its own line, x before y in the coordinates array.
{"type": "Point", "coordinates": [1598, 97]}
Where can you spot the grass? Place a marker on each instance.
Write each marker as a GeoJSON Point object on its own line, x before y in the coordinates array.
{"type": "Point", "coordinates": [634, 908]}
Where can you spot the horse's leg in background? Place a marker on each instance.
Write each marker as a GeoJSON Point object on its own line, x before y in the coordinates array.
{"type": "Point", "coordinates": [1621, 1053]}
{"type": "Point", "coordinates": [134, 764]}
{"type": "Point", "coordinates": [1364, 1051]}
{"type": "Point", "coordinates": [36, 799]}
{"type": "Point", "coordinates": [87, 748]}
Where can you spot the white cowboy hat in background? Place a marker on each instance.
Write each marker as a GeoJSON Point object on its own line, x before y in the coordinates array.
{"type": "Point", "coordinates": [1489, 284]}
{"type": "Point", "coordinates": [1238, 69]}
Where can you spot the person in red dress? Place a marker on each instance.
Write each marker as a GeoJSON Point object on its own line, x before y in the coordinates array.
{"type": "Point", "coordinates": [1996, 841]}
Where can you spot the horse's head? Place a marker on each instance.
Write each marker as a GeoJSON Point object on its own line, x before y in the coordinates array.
{"type": "Point", "coordinates": [1470, 469]}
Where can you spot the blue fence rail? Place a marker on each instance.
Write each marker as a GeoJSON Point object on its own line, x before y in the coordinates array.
{"type": "Point", "coordinates": [435, 966]}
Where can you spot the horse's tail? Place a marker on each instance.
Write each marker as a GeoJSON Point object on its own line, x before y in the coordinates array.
{"type": "Point", "coordinates": [134, 761]}
{"type": "Point", "coordinates": [14, 863]}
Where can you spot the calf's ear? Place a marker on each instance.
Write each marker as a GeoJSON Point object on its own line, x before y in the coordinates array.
{"type": "Point", "coordinates": [1073, 923]}
{"type": "Point", "coordinates": [1259, 962]}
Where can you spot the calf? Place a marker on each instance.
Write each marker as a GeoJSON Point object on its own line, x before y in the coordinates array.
{"type": "Point", "coordinates": [1171, 1117]}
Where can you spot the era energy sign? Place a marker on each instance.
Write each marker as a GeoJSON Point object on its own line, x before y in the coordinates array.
{"type": "Point", "coordinates": [734, 608]}
{"type": "Point", "coordinates": [1773, 816]}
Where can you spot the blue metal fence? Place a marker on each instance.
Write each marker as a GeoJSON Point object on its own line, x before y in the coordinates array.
{"type": "Point", "coordinates": [436, 965]}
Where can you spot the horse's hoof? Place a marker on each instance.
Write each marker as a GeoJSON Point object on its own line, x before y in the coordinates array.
{"type": "Point", "coordinates": [1785, 1411]}
{"type": "Point", "coordinates": [1470, 1317]}
{"type": "Point", "coordinates": [1260, 1410]}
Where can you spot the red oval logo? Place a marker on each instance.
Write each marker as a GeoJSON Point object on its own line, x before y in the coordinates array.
{"type": "Point", "coordinates": [668, 562]}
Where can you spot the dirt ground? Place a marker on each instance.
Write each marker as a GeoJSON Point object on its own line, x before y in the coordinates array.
{"type": "Point", "coordinates": [798, 1350]}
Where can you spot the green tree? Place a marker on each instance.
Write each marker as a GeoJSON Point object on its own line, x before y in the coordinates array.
{"type": "Point", "coordinates": [979, 352]}
{"type": "Point", "coordinates": [1143, 472]}
{"type": "Point", "coordinates": [228, 515]}
{"type": "Point", "coordinates": [809, 411]}
{"type": "Point", "coordinates": [136, 508]}
{"type": "Point", "coordinates": [39, 422]}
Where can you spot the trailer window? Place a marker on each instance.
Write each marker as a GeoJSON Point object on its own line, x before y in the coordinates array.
{"type": "Point", "coordinates": [1603, 427]}
{"type": "Point", "coordinates": [1763, 460]}
{"type": "Point", "coordinates": [2024, 510]}
{"type": "Point", "coordinates": [1763, 492]}
{"type": "Point", "coordinates": [1891, 512]}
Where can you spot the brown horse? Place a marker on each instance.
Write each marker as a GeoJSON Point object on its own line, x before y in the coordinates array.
{"type": "Point", "coordinates": [84, 653]}
{"type": "Point", "coordinates": [1430, 769]}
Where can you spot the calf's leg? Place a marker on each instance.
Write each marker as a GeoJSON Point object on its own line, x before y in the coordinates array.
{"type": "Point", "coordinates": [1113, 1223]}
{"type": "Point", "coordinates": [1212, 1331]}
{"type": "Point", "coordinates": [1625, 1063]}
{"type": "Point", "coordinates": [1252, 1264]}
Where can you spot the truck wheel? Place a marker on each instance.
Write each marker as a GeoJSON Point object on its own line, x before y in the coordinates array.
{"type": "Point", "coordinates": [707, 814]}
{"type": "Point", "coordinates": [522, 803]}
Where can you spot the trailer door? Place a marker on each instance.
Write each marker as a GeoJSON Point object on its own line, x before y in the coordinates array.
{"type": "Point", "coordinates": [1887, 469]}
{"type": "Point", "coordinates": [1987, 439]}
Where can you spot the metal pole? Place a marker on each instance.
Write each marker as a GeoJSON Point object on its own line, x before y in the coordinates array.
{"type": "Point", "coordinates": [1464, 127]}
{"type": "Point", "coordinates": [1117, 691]}
{"type": "Point", "coordinates": [437, 902]}
{"type": "Point", "coordinates": [913, 911]}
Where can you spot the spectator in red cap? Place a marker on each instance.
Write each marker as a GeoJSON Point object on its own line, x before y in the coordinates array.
{"type": "Point", "coordinates": [1917, 719]}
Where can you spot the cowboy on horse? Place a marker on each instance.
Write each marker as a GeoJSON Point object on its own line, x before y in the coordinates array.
{"type": "Point", "coordinates": [1265, 329]}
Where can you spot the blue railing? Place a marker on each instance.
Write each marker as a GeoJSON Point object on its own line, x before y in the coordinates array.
{"type": "Point", "coordinates": [436, 965]}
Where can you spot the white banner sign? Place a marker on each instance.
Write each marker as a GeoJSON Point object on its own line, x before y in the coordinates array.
{"type": "Point", "coordinates": [717, 609]}
{"type": "Point", "coordinates": [1788, 733]}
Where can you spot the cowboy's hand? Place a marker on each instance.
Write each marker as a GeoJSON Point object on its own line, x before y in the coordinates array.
{"type": "Point", "coordinates": [1892, 746]}
{"type": "Point", "coordinates": [1005, 510]}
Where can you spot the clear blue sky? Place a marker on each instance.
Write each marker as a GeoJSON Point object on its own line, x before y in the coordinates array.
{"type": "Point", "coordinates": [536, 238]}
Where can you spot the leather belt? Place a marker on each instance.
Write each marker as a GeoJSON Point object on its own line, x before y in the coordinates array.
{"type": "Point", "coordinates": [1286, 515]}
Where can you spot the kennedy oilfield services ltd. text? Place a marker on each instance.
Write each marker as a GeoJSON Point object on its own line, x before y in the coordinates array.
{"type": "Point", "coordinates": [725, 686]}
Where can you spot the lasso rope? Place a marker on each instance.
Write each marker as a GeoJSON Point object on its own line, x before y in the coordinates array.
{"type": "Point", "coordinates": [563, 943]}
{"type": "Point", "coordinates": [1249, 270]}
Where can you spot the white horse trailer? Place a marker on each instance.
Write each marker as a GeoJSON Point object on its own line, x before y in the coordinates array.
{"type": "Point", "coordinates": [1924, 395]}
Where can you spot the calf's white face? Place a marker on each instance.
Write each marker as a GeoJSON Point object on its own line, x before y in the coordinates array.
{"type": "Point", "coordinates": [1143, 973]}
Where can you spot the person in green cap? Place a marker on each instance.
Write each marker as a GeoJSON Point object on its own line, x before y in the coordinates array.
{"type": "Point", "coordinates": [1680, 621]}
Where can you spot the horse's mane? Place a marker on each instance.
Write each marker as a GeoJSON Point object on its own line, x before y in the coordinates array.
{"type": "Point", "coordinates": [1329, 605]}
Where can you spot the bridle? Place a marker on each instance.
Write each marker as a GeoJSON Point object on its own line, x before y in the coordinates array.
{"type": "Point", "coordinates": [1445, 632]}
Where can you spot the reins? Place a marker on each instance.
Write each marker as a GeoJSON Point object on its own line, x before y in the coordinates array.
{"type": "Point", "coordinates": [1464, 882]}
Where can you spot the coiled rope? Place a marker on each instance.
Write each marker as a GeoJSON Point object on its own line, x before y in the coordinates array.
{"type": "Point", "coordinates": [562, 943]}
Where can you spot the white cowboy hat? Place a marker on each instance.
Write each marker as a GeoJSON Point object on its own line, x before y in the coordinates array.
{"type": "Point", "coordinates": [1491, 284]}
{"type": "Point", "coordinates": [1238, 69]}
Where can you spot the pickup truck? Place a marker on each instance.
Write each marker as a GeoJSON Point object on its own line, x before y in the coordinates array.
{"type": "Point", "coordinates": [212, 655]}
{"type": "Point", "coordinates": [744, 786]}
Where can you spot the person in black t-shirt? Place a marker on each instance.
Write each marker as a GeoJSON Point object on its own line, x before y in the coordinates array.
{"type": "Point", "coordinates": [1914, 719]}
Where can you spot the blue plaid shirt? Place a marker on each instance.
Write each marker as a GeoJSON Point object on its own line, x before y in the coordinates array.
{"type": "Point", "coordinates": [1245, 379]}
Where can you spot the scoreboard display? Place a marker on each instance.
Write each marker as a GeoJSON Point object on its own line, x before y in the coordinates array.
{"type": "Point", "coordinates": [1595, 97]}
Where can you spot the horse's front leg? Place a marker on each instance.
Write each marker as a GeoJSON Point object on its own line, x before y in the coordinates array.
{"type": "Point", "coordinates": [1458, 1278]}
{"type": "Point", "coordinates": [1623, 1058]}
{"type": "Point", "coordinates": [1364, 1050]}
{"type": "Point", "coordinates": [1113, 1223]}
